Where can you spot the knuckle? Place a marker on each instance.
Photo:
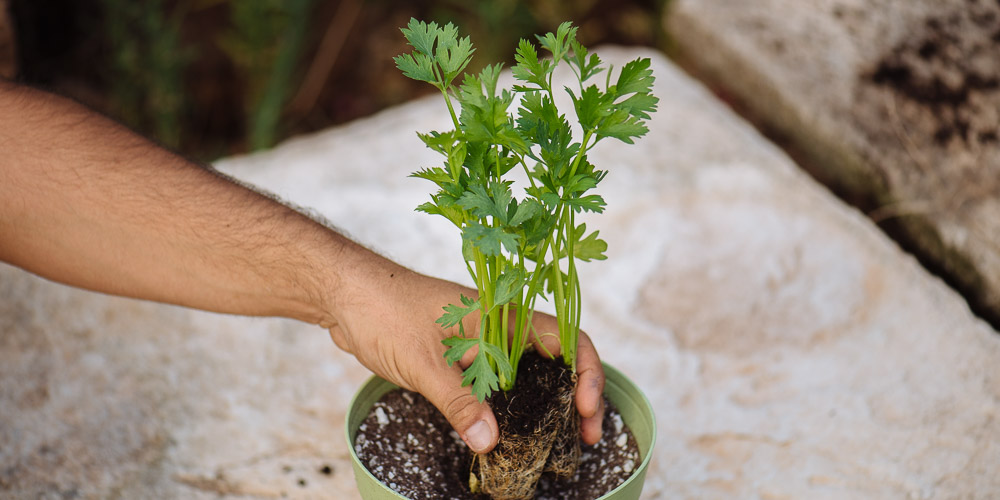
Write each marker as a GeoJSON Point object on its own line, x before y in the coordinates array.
{"type": "Point", "coordinates": [461, 408]}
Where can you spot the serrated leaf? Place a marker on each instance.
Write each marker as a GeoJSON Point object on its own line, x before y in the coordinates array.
{"type": "Point", "coordinates": [479, 374]}
{"type": "Point", "coordinates": [453, 56]}
{"type": "Point", "coordinates": [453, 314]}
{"type": "Point", "coordinates": [590, 247]}
{"type": "Point", "coordinates": [421, 35]}
{"type": "Point", "coordinates": [558, 43]}
{"type": "Point", "coordinates": [635, 77]}
{"type": "Point", "coordinates": [526, 210]}
{"type": "Point", "coordinates": [529, 69]}
{"type": "Point", "coordinates": [587, 67]}
{"type": "Point", "coordinates": [484, 381]}
{"type": "Point", "coordinates": [436, 175]}
{"type": "Point", "coordinates": [501, 196]}
{"type": "Point", "coordinates": [489, 76]}
{"type": "Point", "coordinates": [622, 126]}
{"type": "Point", "coordinates": [551, 200]}
{"type": "Point", "coordinates": [418, 66]}
{"type": "Point", "coordinates": [579, 183]}
{"type": "Point", "coordinates": [639, 105]}
{"type": "Point", "coordinates": [457, 347]}
{"type": "Point", "coordinates": [443, 205]}
{"type": "Point", "coordinates": [591, 106]}
{"type": "Point", "coordinates": [508, 287]}
{"type": "Point", "coordinates": [589, 203]}
{"type": "Point", "coordinates": [489, 240]}
{"type": "Point", "coordinates": [482, 204]}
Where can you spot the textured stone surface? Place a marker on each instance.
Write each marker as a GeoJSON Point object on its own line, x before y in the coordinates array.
{"type": "Point", "coordinates": [893, 102]}
{"type": "Point", "coordinates": [790, 350]}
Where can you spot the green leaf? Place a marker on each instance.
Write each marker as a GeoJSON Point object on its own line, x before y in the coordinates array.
{"type": "Point", "coordinates": [436, 175]}
{"type": "Point", "coordinates": [419, 67]}
{"type": "Point", "coordinates": [453, 56]}
{"type": "Point", "coordinates": [480, 374]}
{"type": "Point", "coordinates": [589, 203]}
{"type": "Point", "coordinates": [529, 69]}
{"type": "Point", "coordinates": [622, 126]}
{"type": "Point", "coordinates": [484, 381]}
{"type": "Point", "coordinates": [591, 106]}
{"type": "Point", "coordinates": [551, 200]}
{"type": "Point", "coordinates": [635, 77]}
{"type": "Point", "coordinates": [579, 183]}
{"type": "Point", "coordinates": [586, 67]}
{"type": "Point", "coordinates": [443, 204]}
{"type": "Point", "coordinates": [457, 347]}
{"type": "Point", "coordinates": [483, 204]}
{"type": "Point", "coordinates": [489, 239]}
{"type": "Point", "coordinates": [639, 105]}
{"type": "Point", "coordinates": [508, 287]}
{"type": "Point", "coordinates": [489, 76]}
{"type": "Point", "coordinates": [539, 121]}
{"type": "Point", "coordinates": [558, 43]}
{"type": "Point", "coordinates": [526, 210]}
{"type": "Point", "coordinates": [453, 314]}
{"type": "Point", "coordinates": [590, 247]}
{"type": "Point", "coordinates": [421, 35]}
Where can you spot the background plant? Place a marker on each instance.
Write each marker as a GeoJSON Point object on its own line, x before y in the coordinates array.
{"type": "Point", "coordinates": [206, 76]}
{"type": "Point", "coordinates": [501, 235]}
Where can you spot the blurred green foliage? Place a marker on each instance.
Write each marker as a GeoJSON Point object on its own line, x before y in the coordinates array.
{"type": "Point", "coordinates": [265, 42]}
{"type": "Point", "coordinates": [217, 77]}
{"type": "Point", "coordinates": [147, 65]}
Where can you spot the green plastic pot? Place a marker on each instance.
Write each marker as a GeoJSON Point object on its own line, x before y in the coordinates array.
{"type": "Point", "coordinates": [631, 402]}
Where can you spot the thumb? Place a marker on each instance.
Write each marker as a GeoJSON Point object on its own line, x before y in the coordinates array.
{"type": "Point", "coordinates": [472, 420]}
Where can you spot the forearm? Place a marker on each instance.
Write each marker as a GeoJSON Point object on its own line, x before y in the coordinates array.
{"type": "Point", "coordinates": [86, 202]}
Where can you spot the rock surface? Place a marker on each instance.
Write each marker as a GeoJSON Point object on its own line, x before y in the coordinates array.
{"type": "Point", "coordinates": [789, 348]}
{"type": "Point", "coordinates": [895, 103]}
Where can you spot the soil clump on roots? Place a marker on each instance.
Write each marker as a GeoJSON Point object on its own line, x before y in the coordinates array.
{"type": "Point", "coordinates": [531, 418]}
{"type": "Point", "coordinates": [408, 445]}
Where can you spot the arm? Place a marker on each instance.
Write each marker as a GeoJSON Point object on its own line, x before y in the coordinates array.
{"type": "Point", "coordinates": [86, 202]}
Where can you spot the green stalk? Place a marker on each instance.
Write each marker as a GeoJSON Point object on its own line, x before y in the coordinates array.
{"type": "Point", "coordinates": [580, 153]}
{"type": "Point", "coordinates": [451, 109]}
{"type": "Point", "coordinates": [573, 315]}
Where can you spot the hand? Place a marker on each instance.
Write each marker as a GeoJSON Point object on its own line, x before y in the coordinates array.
{"type": "Point", "coordinates": [390, 327]}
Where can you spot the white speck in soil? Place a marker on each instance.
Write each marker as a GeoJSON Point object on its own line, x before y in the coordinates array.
{"type": "Point", "coordinates": [622, 441]}
{"type": "Point", "coordinates": [380, 416]}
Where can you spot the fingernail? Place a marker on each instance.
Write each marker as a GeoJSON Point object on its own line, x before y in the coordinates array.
{"type": "Point", "coordinates": [478, 436]}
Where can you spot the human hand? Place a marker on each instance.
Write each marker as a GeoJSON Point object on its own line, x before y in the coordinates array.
{"type": "Point", "coordinates": [390, 327]}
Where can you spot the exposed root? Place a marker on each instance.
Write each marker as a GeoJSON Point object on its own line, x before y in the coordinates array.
{"type": "Point", "coordinates": [565, 454]}
{"type": "Point", "coordinates": [550, 443]}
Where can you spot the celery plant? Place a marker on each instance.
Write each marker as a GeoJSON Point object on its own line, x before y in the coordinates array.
{"type": "Point", "coordinates": [514, 249]}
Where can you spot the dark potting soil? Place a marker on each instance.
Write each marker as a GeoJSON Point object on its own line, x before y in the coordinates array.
{"type": "Point", "coordinates": [407, 444]}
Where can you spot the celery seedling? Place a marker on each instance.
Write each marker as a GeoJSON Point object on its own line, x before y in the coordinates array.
{"type": "Point", "coordinates": [515, 249]}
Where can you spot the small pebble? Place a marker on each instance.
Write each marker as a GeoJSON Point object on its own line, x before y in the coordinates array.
{"type": "Point", "coordinates": [622, 440]}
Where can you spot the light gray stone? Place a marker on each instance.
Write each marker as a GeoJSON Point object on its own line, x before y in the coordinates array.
{"type": "Point", "coordinates": [894, 103]}
{"type": "Point", "coordinates": [790, 350]}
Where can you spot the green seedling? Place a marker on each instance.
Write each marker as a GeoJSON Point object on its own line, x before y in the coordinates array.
{"type": "Point", "coordinates": [519, 247]}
